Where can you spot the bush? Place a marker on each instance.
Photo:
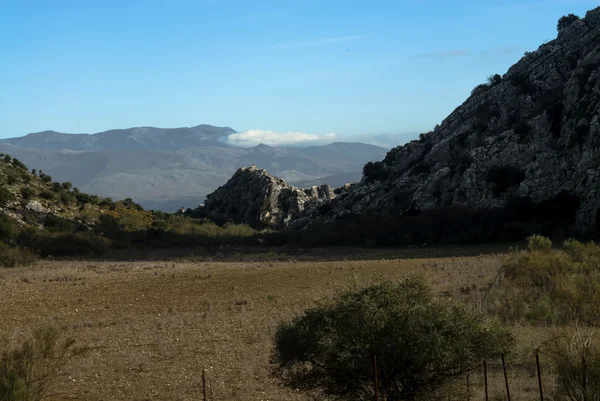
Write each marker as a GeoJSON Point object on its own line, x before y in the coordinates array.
{"type": "Point", "coordinates": [56, 187]}
{"type": "Point", "coordinates": [7, 158]}
{"type": "Point", "coordinates": [47, 194]}
{"type": "Point", "coordinates": [45, 177]}
{"type": "Point", "coordinates": [65, 197]}
{"type": "Point", "coordinates": [58, 224]}
{"type": "Point", "coordinates": [15, 256]}
{"type": "Point", "coordinates": [7, 226]}
{"type": "Point", "coordinates": [576, 360]}
{"type": "Point", "coordinates": [5, 196]}
{"type": "Point", "coordinates": [67, 186]}
{"type": "Point", "coordinates": [27, 193]}
{"type": "Point", "coordinates": [480, 89]}
{"type": "Point", "coordinates": [494, 80]}
{"type": "Point", "coordinates": [63, 244]}
{"type": "Point", "coordinates": [540, 243]}
{"type": "Point", "coordinates": [565, 21]}
{"type": "Point", "coordinates": [375, 172]}
{"type": "Point", "coordinates": [546, 286]}
{"type": "Point", "coordinates": [17, 163]}
{"type": "Point", "coordinates": [420, 343]}
{"type": "Point", "coordinates": [12, 177]}
{"type": "Point", "coordinates": [30, 369]}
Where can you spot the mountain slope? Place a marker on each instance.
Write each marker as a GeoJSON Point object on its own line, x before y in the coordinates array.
{"type": "Point", "coordinates": [529, 144]}
{"type": "Point", "coordinates": [168, 168]}
{"type": "Point", "coordinates": [521, 154]}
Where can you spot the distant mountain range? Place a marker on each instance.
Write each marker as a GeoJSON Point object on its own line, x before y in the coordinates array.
{"type": "Point", "coordinates": [168, 168]}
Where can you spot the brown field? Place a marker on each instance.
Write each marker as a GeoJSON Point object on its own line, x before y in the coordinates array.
{"type": "Point", "coordinates": [153, 325]}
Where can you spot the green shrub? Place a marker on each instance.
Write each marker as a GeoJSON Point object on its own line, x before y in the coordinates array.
{"type": "Point", "coordinates": [67, 186]}
{"type": "Point", "coordinates": [480, 89]}
{"type": "Point", "coordinates": [47, 194]}
{"type": "Point", "coordinates": [63, 244]}
{"type": "Point", "coordinates": [17, 163]}
{"type": "Point", "coordinates": [5, 196]}
{"type": "Point", "coordinates": [7, 158]}
{"type": "Point", "coordinates": [12, 177]}
{"type": "Point", "coordinates": [15, 256]}
{"type": "Point", "coordinates": [45, 177]}
{"type": "Point", "coordinates": [375, 172]}
{"type": "Point", "coordinates": [493, 80]}
{"type": "Point", "coordinates": [30, 369]}
{"type": "Point", "coordinates": [565, 21]}
{"type": "Point", "coordinates": [538, 243]}
{"type": "Point", "coordinates": [108, 203]}
{"type": "Point", "coordinates": [576, 360]}
{"type": "Point", "coordinates": [56, 187]}
{"type": "Point", "coordinates": [27, 193]}
{"type": "Point", "coordinates": [7, 226]}
{"type": "Point", "coordinates": [58, 224]}
{"type": "Point", "coordinates": [65, 197]}
{"type": "Point", "coordinates": [420, 343]}
{"type": "Point", "coordinates": [546, 286]}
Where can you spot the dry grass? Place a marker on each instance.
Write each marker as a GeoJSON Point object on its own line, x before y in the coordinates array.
{"type": "Point", "coordinates": [154, 325]}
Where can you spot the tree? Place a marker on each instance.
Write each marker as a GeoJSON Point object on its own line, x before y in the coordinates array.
{"type": "Point", "coordinates": [420, 343]}
{"type": "Point", "coordinates": [494, 80]}
{"type": "Point", "coordinates": [565, 21]}
{"type": "Point", "coordinates": [375, 172]}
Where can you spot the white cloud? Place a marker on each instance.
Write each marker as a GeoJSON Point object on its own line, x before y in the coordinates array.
{"type": "Point", "coordinates": [254, 137]}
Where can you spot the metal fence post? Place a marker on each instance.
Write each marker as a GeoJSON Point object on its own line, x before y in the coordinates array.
{"type": "Point", "coordinates": [485, 381]}
{"type": "Point", "coordinates": [375, 373]}
{"type": "Point", "coordinates": [204, 384]}
{"type": "Point", "coordinates": [505, 378]}
{"type": "Point", "coordinates": [539, 373]}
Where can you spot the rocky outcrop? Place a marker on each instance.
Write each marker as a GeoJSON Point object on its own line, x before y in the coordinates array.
{"type": "Point", "coordinates": [530, 138]}
{"type": "Point", "coordinates": [254, 197]}
{"type": "Point", "coordinates": [527, 142]}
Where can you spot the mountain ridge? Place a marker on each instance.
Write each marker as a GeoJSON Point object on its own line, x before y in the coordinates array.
{"type": "Point", "coordinates": [166, 169]}
{"type": "Point", "coordinates": [520, 154]}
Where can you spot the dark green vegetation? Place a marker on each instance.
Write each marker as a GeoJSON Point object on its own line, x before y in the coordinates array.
{"type": "Point", "coordinates": [424, 345]}
{"type": "Point", "coordinates": [39, 217]}
{"type": "Point", "coordinates": [30, 368]}
{"type": "Point", "coordinates": [420, 343]}
{"type": "Point", "coordinates": [75, 223]}
{"type": "Point", "coordinates": [565, 21]}
{"type": "Point", "coordinates": [550, 287]}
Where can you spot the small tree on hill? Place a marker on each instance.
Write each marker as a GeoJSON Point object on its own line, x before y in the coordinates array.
{"type": "Point", "coordinates": [419, 341]}
{"type": "Point", "coordinates": [565, 21]}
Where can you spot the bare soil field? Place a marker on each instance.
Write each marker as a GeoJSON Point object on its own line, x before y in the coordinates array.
{"type": "Point", "coordinates": [152, 326]}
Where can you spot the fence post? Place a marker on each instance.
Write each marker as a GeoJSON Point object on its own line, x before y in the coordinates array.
{"type": "Point", "coordinates": [204, 384]}
{"type": "Point", "coordinates": [375, 374]}
{"type": "Point", "coordinates": [485, 381]}
{"type": "Point", "coordinates": [468, 389]}
{"type": "Point", "coordinates": [505, 378]}
{"type": "Point", "coordinates": [539, 372]}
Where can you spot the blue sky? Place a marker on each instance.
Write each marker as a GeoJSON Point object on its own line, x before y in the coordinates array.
{"type": "Point", "coordinates": [311, 66]}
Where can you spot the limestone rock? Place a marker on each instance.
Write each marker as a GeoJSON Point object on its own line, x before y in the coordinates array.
{"type": "Point", "coordinates": [254, 197]}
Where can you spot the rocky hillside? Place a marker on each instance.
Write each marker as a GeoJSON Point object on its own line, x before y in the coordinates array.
{"type": "Point", "coordinates": [254, 197]}
{"type": "Point", "coordinates": [528, 139]}
{"type": "Point", "coordinates": [526, 143]}
{"type": "Point", "coordinates": [165, 169]}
